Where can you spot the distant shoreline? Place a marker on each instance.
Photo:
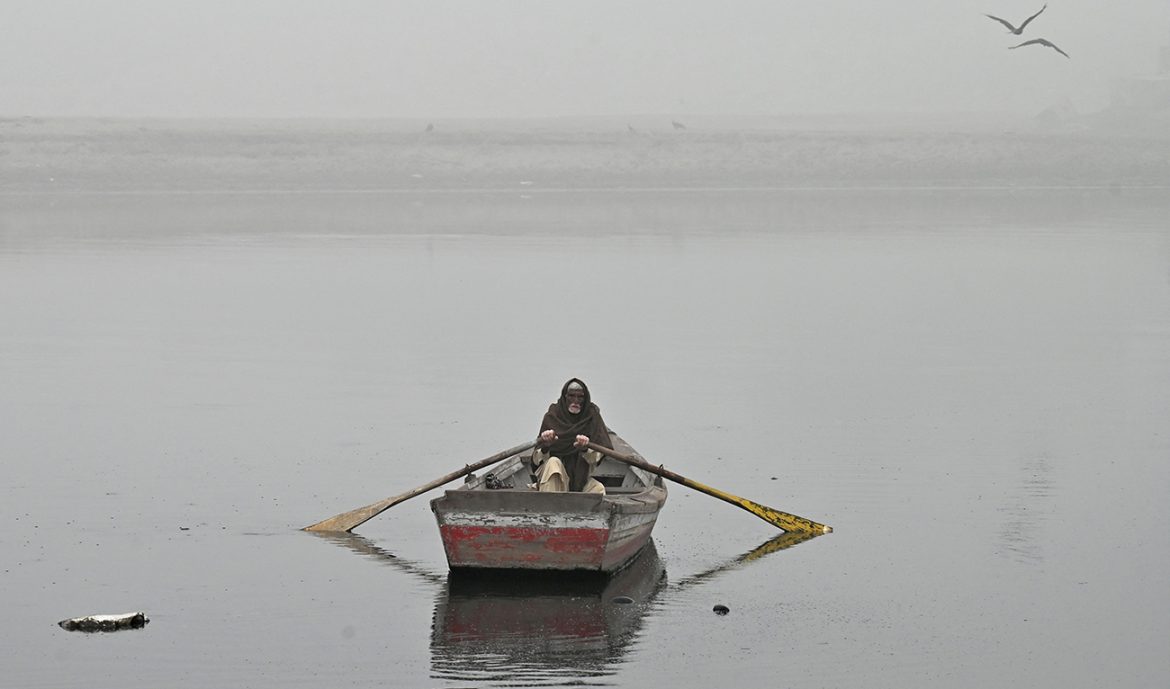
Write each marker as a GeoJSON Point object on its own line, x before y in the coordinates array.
{"type": "Point", "coordinates": [207, 156]}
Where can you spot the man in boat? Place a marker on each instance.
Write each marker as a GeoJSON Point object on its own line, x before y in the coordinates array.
{"type": "Point", "coordinates": [561, 460]}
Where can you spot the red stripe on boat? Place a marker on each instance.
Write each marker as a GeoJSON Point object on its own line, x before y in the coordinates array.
{"type": "Point", "coordinates": [496, 546]}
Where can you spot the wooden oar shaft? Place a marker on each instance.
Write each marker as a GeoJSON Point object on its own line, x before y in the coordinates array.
{"type": "Point", "coordinates": [346, 521]}
{"type": "Point", "coordinates": [784, 520]}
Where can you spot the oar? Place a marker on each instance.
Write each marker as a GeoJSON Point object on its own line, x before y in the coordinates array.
{"type": "Point", "coordinates": [346, 521]}
{"type": "Point", "coordinates": [788, 522]}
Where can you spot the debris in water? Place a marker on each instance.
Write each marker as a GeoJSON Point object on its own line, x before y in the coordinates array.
{"type": "Point", "coordinates": [105, 623]}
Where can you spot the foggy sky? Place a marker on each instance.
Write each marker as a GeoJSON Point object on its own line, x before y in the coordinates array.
{"type": "Point", "coordinates": [518, 58]}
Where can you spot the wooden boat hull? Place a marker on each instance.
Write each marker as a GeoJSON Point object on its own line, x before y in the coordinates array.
{"type": "Point", "coordinates": [520, 528]}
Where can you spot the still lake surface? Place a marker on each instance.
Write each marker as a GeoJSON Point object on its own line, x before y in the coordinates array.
{"type": "Point", "coordinates": [971, 385]}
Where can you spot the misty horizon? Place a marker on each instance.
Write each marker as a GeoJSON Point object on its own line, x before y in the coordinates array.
{"type": "Point", "coordinates": [520, 60]}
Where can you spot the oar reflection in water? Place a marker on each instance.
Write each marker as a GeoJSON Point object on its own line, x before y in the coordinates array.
{"type": "Point", "coordinates": [784, 541]}
{"type": "Point", "coordinates": [365, 546]}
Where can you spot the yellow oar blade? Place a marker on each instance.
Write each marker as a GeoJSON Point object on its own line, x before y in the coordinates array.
{"type": "Point", "coordinates": [784, 520]}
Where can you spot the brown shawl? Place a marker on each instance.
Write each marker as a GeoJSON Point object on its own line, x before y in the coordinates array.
{"type": "Point", "coordinates": [568, 426]}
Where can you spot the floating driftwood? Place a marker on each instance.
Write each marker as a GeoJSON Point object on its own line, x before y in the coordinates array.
{"type": "Point", "coordinates": [105, 623]}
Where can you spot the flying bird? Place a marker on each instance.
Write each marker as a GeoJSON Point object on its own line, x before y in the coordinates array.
{"type": "Point", "coordinates": [1040, 41]}
{"type": "Point", "coordinates": [1013, 29]}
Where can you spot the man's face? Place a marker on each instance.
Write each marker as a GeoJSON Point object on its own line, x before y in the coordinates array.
{"type": "Point", "coordinates": [576, 400]}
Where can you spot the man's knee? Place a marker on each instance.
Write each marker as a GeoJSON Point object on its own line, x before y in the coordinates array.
{"type": "Point", "coordinates": [552, 478]}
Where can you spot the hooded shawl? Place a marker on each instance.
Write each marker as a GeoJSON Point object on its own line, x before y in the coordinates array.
{"type": "Point", "coordinates": [568, 426]}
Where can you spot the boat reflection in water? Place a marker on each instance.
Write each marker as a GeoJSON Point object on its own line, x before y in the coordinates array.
{"type": "Point", "coordinates": [555, 627]}
{"type": "Point", "coordinates": [544, 629]}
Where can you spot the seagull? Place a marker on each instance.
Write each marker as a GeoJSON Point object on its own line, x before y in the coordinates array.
{"type": "Point", "coordinates": [1040, 41]}
{"type": "Point", "coordinates": [1012, 29]}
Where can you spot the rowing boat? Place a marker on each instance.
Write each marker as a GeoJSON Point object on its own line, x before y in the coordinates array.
{"type": "Point", "coordinates": [499, 521]}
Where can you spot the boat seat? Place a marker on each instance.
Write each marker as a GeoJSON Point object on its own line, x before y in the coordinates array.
{"type": "Point", "coordinates": [609, 480]}
{"type": "Point", "coordinates": [623, 490]}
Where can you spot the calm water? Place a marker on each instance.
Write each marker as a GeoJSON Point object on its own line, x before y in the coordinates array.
{"type": "Point", "coordinates": [972, 387]}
